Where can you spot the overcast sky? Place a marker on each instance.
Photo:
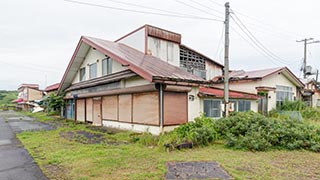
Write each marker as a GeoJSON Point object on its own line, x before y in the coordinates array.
{"type": "Point", "coordinates": [38, 37]}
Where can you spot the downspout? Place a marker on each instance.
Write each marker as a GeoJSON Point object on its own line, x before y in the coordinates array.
{"type": "Point", "coordinates": [161, 107]}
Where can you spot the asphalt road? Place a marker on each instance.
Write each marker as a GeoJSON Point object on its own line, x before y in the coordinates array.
{"type": "Point", "coordinates": [15, 162]}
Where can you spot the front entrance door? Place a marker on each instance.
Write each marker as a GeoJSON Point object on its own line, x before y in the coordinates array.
{"type": "Point", "coordinates": [263, 104]}
{"type": "Point", "coordinates": [97, 119]}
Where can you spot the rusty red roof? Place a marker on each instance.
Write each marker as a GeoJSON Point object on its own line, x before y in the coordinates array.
{"type": "Point", "coordinates": [255, 74]}
{"type": "Point", "coordinates": [52, 87]}
{"type": "Point", "coordinates": [219, 93]}
{"type": "Point", "coordinates": [148, 67]}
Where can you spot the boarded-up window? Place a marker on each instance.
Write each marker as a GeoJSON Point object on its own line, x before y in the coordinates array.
{"type": "Point", "coordinates": [110, 107]}
{"type": "Point", "coordinates": [175, 108]}
{"type": "Point", "coordinates": [146, 108]}
{"type": "Point", "coordinates": [125, 107]}
{"type": "Point", "coordinates": [89, 109]}
{"type": "Point", "coordinates": [81, 110]}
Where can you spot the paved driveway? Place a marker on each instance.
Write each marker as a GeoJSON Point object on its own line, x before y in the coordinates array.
{"type": "Point", "coordinates": [15, 162]}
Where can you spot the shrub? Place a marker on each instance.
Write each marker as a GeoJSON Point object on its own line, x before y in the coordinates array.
{"type": "Point", "coordinates": [255, 132]}
{"type": "Point", "coordinates": [200, 132]}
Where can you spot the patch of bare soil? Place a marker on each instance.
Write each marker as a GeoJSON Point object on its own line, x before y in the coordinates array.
{"type": "Point", "coordinates": [86, 137]}
{"type": "Point", "coordinates": [196, 170]}
{"type": "Point", "coordinates": [55, 172]}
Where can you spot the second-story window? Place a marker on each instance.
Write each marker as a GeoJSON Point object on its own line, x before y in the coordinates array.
{"type": "Point", "coordinates": [106, 66]}
{"type": "Point", "coordinates": [83, 74]}
{"type": "Point", "coordinates": [93, 71]}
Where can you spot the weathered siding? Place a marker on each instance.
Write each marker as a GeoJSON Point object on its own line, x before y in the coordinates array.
{"type": "Point", "coordinates": [110, 108]}
{"type": "Point", "coordinates": [194, 106]}
{"type": "Point", "coordinates": [96, 119]}
{"type": "Point", "coordinates": [165, 50]}
{"type": "Point", "coordinates": [89, 109]}
{"type": "Point", "coordinates": [80, 107]}
{"type": "Point", "coordinates": [175, 108]}
{"type": "Point", "coordinates": [34, 94]}
{"type": "Point", "coordinates": [212, 70]}
{"type": "Point", "coordinates": [125, 108]}
{"type": "Point", "coordinates": [146, 108]}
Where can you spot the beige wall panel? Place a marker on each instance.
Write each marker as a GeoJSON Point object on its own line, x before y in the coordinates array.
{"type": "Point", "coordinates": [34, 94]}
{"type": "Point", "coordinates": [175, 108]}
{"type": "Point", "coordinates": [81, 110]}
{"type": "Point", "coordinates": [97, 121]}
{"type": "Point", "coordinates": [146, 108]}
{"type": "Point", "coordinates": [89, 109]}
{"type": "Point", "coordinates": [110, 107]}
{"type": "Point", "coordinates": [125, 107]}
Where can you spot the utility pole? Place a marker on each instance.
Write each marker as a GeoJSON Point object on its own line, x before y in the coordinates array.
{"type": "Point", "coordinates": [306, 42]}
{"type": "Point", "coordinates": [226, 61]}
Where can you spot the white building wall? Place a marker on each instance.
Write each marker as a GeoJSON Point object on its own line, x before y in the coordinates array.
{"type": "Point", "coordinates": [271, 81]}
{"type": "Point", "coordinates": [134, 81]}
{"type": "Point", "coordinates": [94, 56]}
{"type": "Point", "coordinates": [195, 106]}
{"type": "Point", "coordinates": [212, 70]}
{"type": "Point", "coordinates": [135, 40]}
{"type": "Point", "coordinates": [165, 50]}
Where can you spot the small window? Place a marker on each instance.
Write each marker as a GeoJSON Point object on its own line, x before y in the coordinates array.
{"type": "Point", "coordinates": [244, 106]}
{"type": "Point", "coordinates": [212, 108]}
{"type": "Point", "coordinates": [106, 66]}
{"type": "Point", "coordinates": [93, 71]}
{"type": "Point", "coordinates": [83, 74]}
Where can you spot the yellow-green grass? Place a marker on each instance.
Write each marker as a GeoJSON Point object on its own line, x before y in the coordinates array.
{"type": "Point", "coordinates": [60, 158]}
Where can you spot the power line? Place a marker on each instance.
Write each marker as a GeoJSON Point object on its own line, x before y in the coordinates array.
{"type": "Point", "coordinates": [148, 7]}
{"type": "Point", "coordinates": [220, 41]}
{"type": "Point", "coordinates": [215, 3]}
{"type": "Point", "coordinates": [199, 9]}
{"type": "Point", "coordinates": [207, 7]}
{"type": "Point", "coordinates": [271, 27]}
{"type": "Point", "coordinates": [141, 12]}
{"type": "Point", "coordinates": [257, 42]}
{"type": "Point", "coordinates": [28, 67]}
{"type": "Point", "coordinates": [255, 47]}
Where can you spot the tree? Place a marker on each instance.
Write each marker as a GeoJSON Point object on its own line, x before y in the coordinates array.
{"type": "Point", "coordinates": [54, 103]}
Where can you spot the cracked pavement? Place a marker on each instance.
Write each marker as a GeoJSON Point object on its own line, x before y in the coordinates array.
{"type": "Point", "coordinates": [15, 161]}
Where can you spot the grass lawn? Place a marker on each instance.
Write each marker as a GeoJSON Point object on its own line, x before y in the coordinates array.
{"type": "Point", "coordinates": [119, 158]}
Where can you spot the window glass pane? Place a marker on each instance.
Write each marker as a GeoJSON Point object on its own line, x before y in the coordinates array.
{"type": "Point", "coordinates": [93, 71]}
{"type": "Point", "coordinates": [106, 66]}
{"type": "Point", "coordinates": [82, 74]}
{"type": "Point", "coordinates": [284, 93]}
{"type": "Point", "coordinates": [244, 105]}
{"type": "Point", "coordinates": [212, 108]}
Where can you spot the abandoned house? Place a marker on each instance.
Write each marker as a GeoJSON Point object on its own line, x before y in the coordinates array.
{"type": "Point", "coordinates": [27, 93]}
{"type": "Point", "coordinates": [273, 86]}
{"type": "Point", "coordinates": [145, 81]}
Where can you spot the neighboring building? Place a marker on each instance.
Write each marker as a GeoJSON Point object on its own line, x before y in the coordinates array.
{"type": "Point", "coordinates": [27, 93]}
{"type": "Point", "coordinates": [273, 85]}
{"type": "Point", "coordinates": [144, 81]}
{"type": "Point", "coordinates": [311, 92]}
{"type": "Point", "coordinates": [52, 88]}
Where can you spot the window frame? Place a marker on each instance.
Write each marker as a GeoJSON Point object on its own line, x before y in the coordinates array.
{"type": "Point", "coordinates": [90, 70]}
{"type": "Point", "coordinates": [217, 109]}
{"type": "Point", "coordinates": [106, 66]}
{"type": "Point", "coordinates": [284, 93]}
{"type": "Point", "coordinates": [82, 77]}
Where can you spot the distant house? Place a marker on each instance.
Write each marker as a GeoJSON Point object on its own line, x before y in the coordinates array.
{"type": "Point", "coordinates": [311, 92]}
{"type": "Point", "coordinates": [52, 88]}
{"type": "Point", "coordinates": [273, 86]}
{"type": "Point", "coordinates": [27, 93]}
{"type": "Point", "coordinates": [145, 81]}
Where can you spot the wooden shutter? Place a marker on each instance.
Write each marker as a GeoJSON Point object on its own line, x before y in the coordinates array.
{"type": "Point", "coordinates": [80, 110]}
{"type": "Point", "coordinates": [175, 108]}
{"type": "Point", "coordinates": [125, 107]}
{"type": "Point", "coordinates": [110, 108]}
{"type": "Point", "coordinates": [89, 109]}
{"type": "Point", "coordinates": [146, 108]}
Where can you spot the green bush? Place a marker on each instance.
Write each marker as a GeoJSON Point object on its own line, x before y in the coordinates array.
{"type": "Point", "coordinates": [255, 132]}
{"type": "Point", "coordinates": [292, 106]}
{"type": "Point", "coordinates": [200, 132]}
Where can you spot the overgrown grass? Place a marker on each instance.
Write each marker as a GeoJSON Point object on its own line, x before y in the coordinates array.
{"type": "Point", "coordinates": [60, 158]}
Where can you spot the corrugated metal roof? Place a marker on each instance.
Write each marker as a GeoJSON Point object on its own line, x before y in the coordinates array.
{"type": "Point", "coordinates": [52, 87]}
{"type": "Point", "coordinates": [149, 67]}
{"type": "Point", "coordinates": [255, 74]}
{"type": "Point", "coordinates": [219, 93]}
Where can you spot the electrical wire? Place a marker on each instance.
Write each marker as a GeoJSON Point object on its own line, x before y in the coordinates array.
{"type": "Point", "coordinates": [207, 7]}
{"type": "Point", "coordinates": [199, 9]}
{"type": "Point", "coordinates": [150, 8]}
{"type": "Point", "coordinates": [141, 12]}
{"type": "Point", "coordinates": [220, 41]}
{"type": "Point", "coordinates": [257, 42]}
